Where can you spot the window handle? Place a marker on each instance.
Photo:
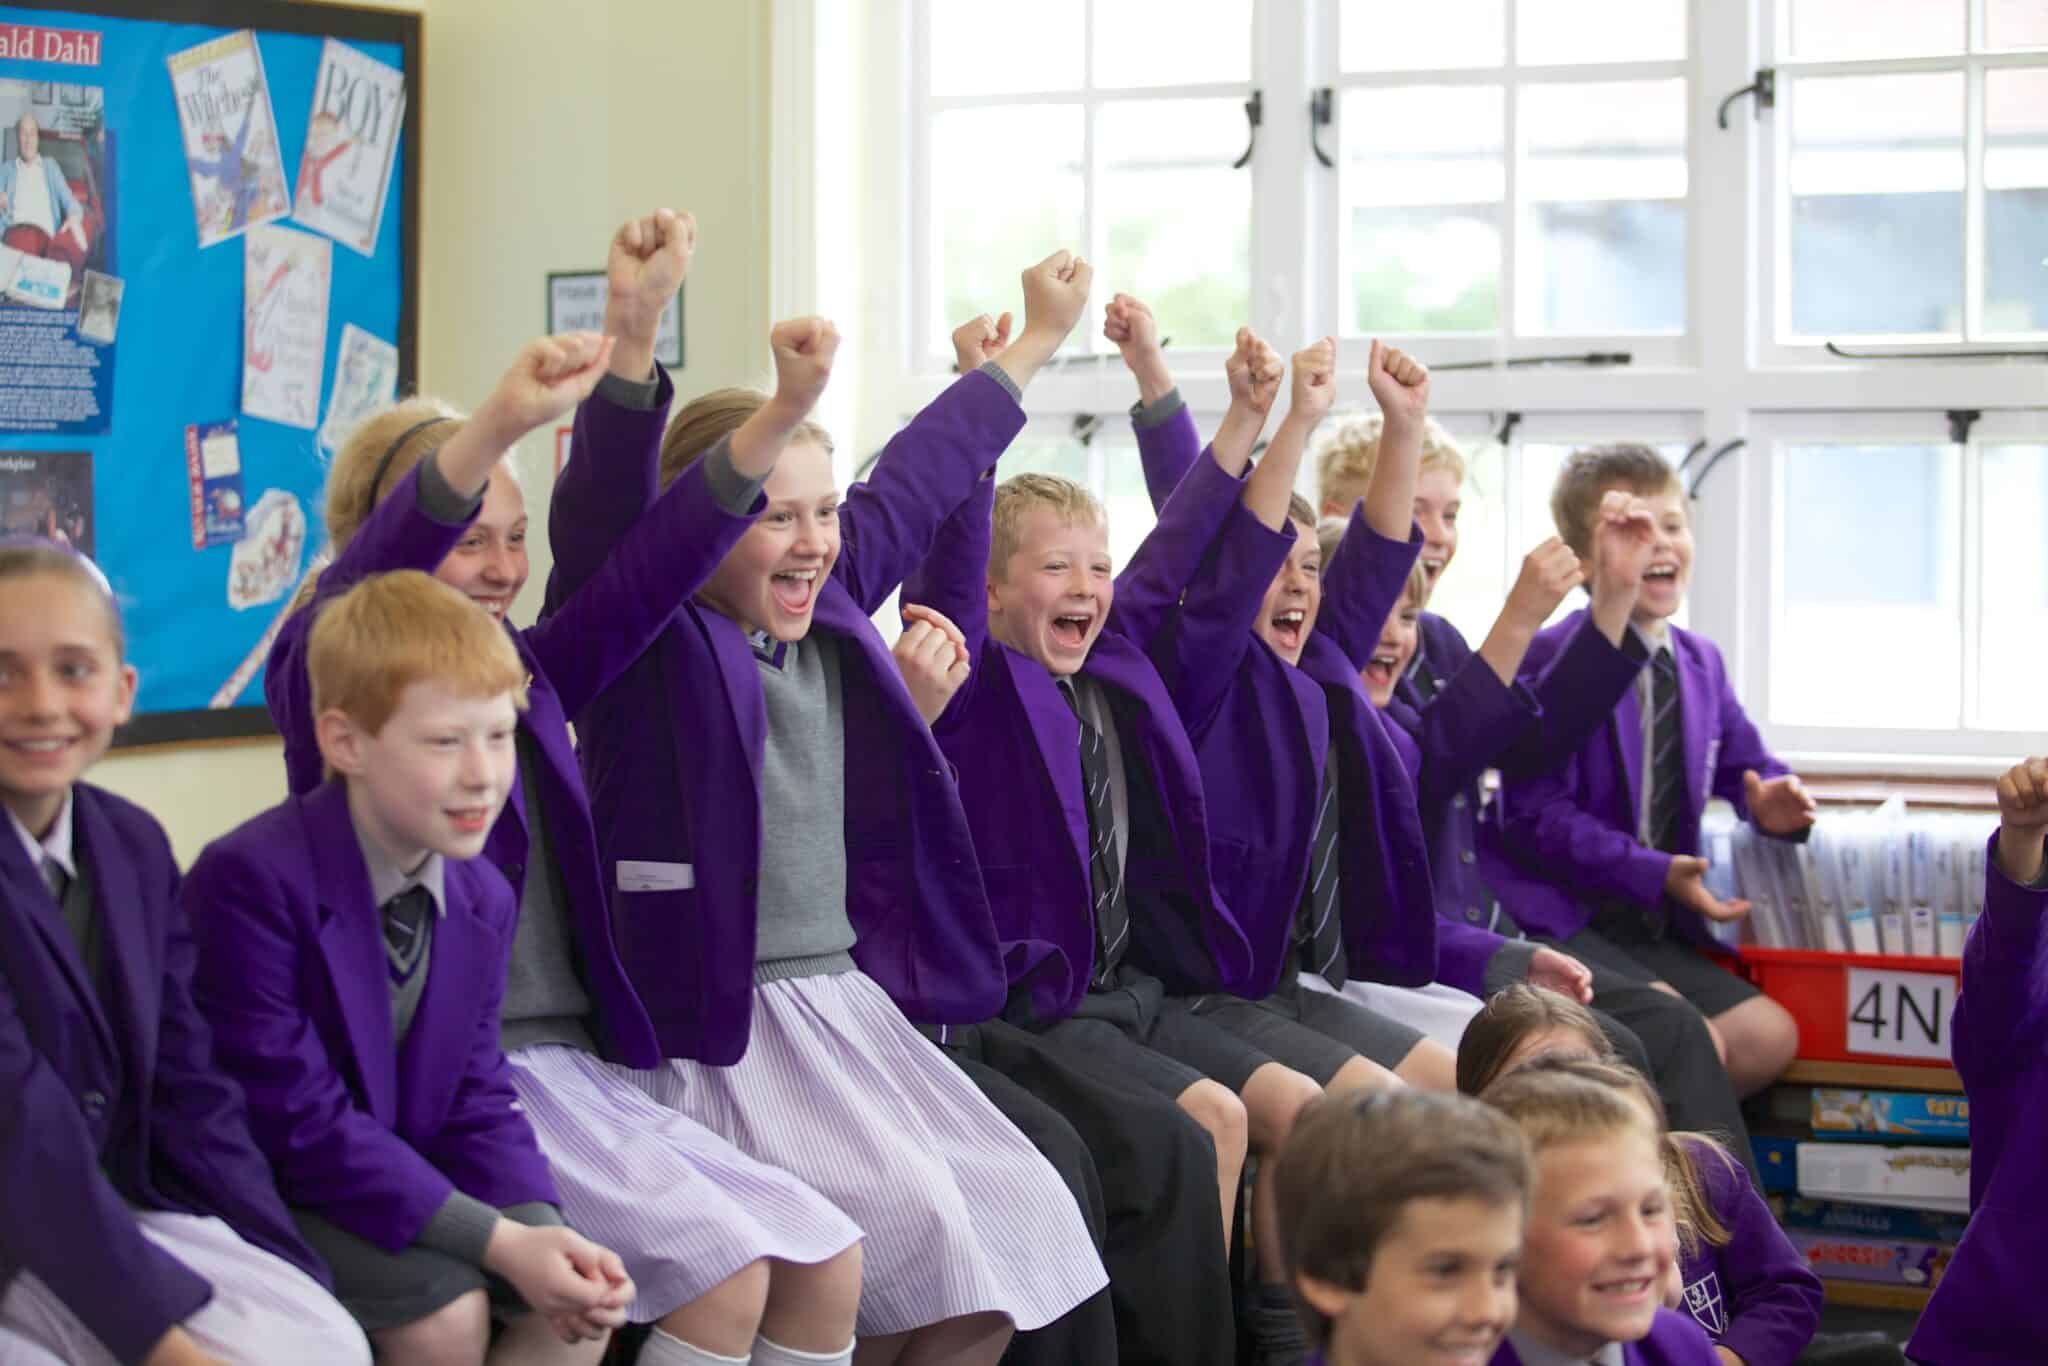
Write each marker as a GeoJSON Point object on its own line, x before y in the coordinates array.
{"type": "Point", "coordinates": [1737, 444]}
{"type": "Point", "coordinates": [1764, 87]}
{"type": "Point", "coordinates": [1960, 420]}
{"type": "Point", "coordinates": [1319, 106]}
{"type": "Point", "coordinates": [1254, 115]}
{"type": "Point", "coordinates": [1691, 453]}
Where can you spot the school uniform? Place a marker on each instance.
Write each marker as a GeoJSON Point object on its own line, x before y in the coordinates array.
{"type": "Point", "coordinates": [1588, 844]}
{"type": "Point", "coordinates": [1986, 1308]}
{"type": "Point", "coordinates": [132, 1197]}
{"type": "Point", "coordinates": [376, 1084]}
{"type": "Point", "coordinates": [1673, 1340]}
{"type": "Point", "coordinates": [682, 1207]}
{"type": "Point", "coordinates": [1303, 761]}
{"type": "Point", "coordinates": [1754, 1294]}
{"type": "Point", "coordinates": [789, 1026]}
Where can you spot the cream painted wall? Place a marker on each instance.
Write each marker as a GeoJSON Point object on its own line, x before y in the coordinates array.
{"type": "Point", "coordinates": [545, 125]}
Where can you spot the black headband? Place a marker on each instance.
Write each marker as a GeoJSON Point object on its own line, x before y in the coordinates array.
{"type": "Point", "coordinates": [384, 464]}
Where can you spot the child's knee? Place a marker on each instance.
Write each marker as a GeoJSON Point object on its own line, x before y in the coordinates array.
{"type": "Point", "coordinates": [456, 1334]}
{"type": "Point", "coordinates": [1429, 1066]}
{"type": "Point", "coordinates": [826, 1293]}
{"type": "Point", "coordinates": [1720, 1042]}
{"type": "Point", "coordinates": [1273, 1099]}
{"type": "Point", "coordinates": [1221, 1114]}
{"type": "Point", "coordinates": [727, 1315]}
{"type": "Point", "coordinates": [1362, 1074]}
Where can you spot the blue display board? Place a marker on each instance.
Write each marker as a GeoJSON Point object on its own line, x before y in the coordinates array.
{"type": "Point", "coordinates": [178, 296]}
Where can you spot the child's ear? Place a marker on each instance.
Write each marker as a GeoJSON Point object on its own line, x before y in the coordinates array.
{"type": "Point", "coordinates": [341, 742]}
{"type": "Point", "coordinates": [1325, 1297]}
{"type": "Point", "coordinates": [124, 694]}
{"type": "Point", "coordinates": [995, 606]}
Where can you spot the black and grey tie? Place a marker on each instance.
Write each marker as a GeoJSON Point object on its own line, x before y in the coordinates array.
{"type": "Point", "coordinates": [56, 879]}
{"type": "Point", "coordinates": [1105, 873]}
{"type": "Point", "coordinates": [1319, 928]}
{"type": "Point", "coordinates": [405, 931]}
{"type": "Point", "coordinates": [1667, 753]}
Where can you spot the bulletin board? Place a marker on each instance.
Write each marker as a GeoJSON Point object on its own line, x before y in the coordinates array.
{"type": "Point", "coordinates": [209, 219]}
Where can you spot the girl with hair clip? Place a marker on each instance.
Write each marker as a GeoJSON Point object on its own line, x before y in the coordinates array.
{"type": "Point", "coordinates": [734, 1260]}
{"type": "Point", "coordinates": [139, 1222]}
{"type": "Point", "coordinates": [1598, 1244]}
{"type": "Point", "coordinates": [1737, 1274]}
{"type": "Point", "coordinates": [793, 877]}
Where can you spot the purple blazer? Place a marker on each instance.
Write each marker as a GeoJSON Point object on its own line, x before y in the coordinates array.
{"type": "Point", "coordinates": [1982, 1312]}
{"type": "Point", "coordinates": [1263, 730]}
{"type": "Point", "coordinates": [1674, 1340]}
{"type": "Point", "coordinates": [571, 655]}
{"type": "Point", "coordinates": [1569, 835]}
{"type": "Point", "coordinates": [671, 751]}
{"type": "Point", "coordinates": [293, 979]}
{"type": "Point", "coordinates": [1015, 743]}
{"type": "Point", "coordinates": [113, 1099]}
{"type": "Point", "coordinates": [1755, 1295]}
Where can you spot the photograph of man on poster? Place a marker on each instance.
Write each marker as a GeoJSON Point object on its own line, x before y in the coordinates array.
{"type": "Point", "coordinates": [54, 200]}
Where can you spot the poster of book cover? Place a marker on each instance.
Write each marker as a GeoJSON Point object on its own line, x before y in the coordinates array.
{"type": "Point", "coordinates": [351, 141]}
{"type": "Point", "coordinates": [365, 382]}
{"type": "Point", "coordinates": [231, 149]}
{"type": "Point", "coordinates": [213, 468]}
{"type": "Point", "coordinates": [56, 230]}
{"type": "Point", "coordinates": [49, 494]}
{"type": "Point", "coordinates": [284, 327]}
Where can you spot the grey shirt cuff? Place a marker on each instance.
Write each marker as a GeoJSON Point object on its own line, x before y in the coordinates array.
{"type": "Point", "coordinates": [1002, 377]}
{"type": "Point", "coordinates": [1156, 413]}
{"type": "Point", "coordinates": [461, 1228]}
{"type": "Point", "coordinates": [632, 393]}
{"type": "Point", "coordinates": [730, 489]}
{"type": "Point", "coordinates": [1510, 964]}
{"type": "Point", "coordinates": [440, 502]}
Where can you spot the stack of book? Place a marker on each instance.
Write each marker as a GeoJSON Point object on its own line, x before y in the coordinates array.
{"type": "Point", "coordinates": [1872, 1186]}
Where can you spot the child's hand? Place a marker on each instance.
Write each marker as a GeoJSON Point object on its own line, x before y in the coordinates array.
{"type": "Point", "coordinates": [1314, 390]}
{"type": "Point", "coordinates": [979, 340]}
{"type": "Point", "coordinates": [550, 376]}
{"type": "Point", "coordinates": [1685, 882]}
{"type": "Point", "coordinates": [178, 1347]}
{"type": "Point", "coordinates": [1399, 383]}
{"type": "Point", "coordinates": [804, 349]}
{"type": "Point", "coordinates": [1624, 538]}
{"type": "Point", "coordinates": [1561, 973]}
{"type": "Point", "coordinates": [1781, 806]}
{"type": "Point", "coordinates": [1548, 573]}
{"type": "Point", "coordinates": [561, 1275]}
{"type": "Point", "coordinates": [1254, 371]}
{"type": "Point", "coordinates": [644, 268]}
{"type": "Point", "coordinates": [2022, 819]}
{"type": "Point", "coordinates": [932, 655]}
{"type": "Point", "coordinates": [1055, 295]}
{"type": "Point", "coordinates": [1129, 323]}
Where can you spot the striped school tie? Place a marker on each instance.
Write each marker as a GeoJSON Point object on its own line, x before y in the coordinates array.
{"type": "Point", "coordinates": [56, 879]}
{"type": "Point", "coordinates": [1105, 877]}
{"type": "Point", "coordinates": [1320, 931]}
{"type": "Point", "coordinates": [405, 931]}
{"type": "Point", "coordinates": [1667, 753]}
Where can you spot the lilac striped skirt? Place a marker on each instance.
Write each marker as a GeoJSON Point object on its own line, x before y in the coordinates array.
{"type": "Point", "coordinates": [960, 1214]}
{"type": "Point", "coordinates": [682, 1207]}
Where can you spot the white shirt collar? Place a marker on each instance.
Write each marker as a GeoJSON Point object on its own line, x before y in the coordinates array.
{"type": "Point", "coordinates": [1534, 1353]}
{"type": "Point", "coordinates": [55, 845]}
{"type": "Point", "coordinates": [1651, 643]}
{"type": "Point", "coordinates": [387, 879]}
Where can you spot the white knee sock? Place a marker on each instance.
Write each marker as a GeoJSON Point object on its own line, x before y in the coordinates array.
{"type": "Point", "coordinates": [666, 1349]}
{"type": "Point", "coordinates": [768, 1353]}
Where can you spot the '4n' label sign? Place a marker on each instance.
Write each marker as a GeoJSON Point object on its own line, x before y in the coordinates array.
{"type": "Point", "coordinates": [1900, 1014]}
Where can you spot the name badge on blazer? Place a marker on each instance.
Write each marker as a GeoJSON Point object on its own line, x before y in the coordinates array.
{"type": "Point", "coordinates": [636, 876]}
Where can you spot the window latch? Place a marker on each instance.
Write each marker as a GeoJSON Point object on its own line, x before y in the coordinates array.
{"type": "Point", "coordinates": [1319, 115]}
{"type": "Point", "coordinates": [1691, 452]}
{"type": "Point", "coordinates": [1764, 87]}
{"type": "Point", "coordinates": [1960, 420]}
{"type": "Point", "coordinates": [1254, 115]}
{"type": "Point", "coordinates": [1721, 453]}
{"type": "Point", "coordinates": [1508, 424]}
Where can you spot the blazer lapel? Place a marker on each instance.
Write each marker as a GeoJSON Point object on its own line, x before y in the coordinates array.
{"type": "Point", "coordinates": [742, 689]}
{"type": "Point", "coordinates": [1628, 743]}
{"type": "Point", "coordinates": [1056, 731]}
{"type": "Point", "coordinates": [131, 959]}
{"type": "Point", "coordinates": [444, 1031]}
{"type": "Point", "coordinates": [352, 942]}
{"type": "Point", "coordinates": [22, 885]}
{"type": "Point", "coordinates": [1696, 704]}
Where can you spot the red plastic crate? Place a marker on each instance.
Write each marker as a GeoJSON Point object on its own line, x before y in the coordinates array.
{"type": "Point", "coordinates": [1814, 987]}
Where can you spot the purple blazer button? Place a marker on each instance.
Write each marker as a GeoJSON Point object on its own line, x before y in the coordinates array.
{"type": "Point", "coordinates": [1468, 857]}
{"type": "Point", "coordinates": [94, 1103]}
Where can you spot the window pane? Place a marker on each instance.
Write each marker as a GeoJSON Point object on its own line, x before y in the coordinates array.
{"type": "Point", "coordinates": [1167, 42]}
{"type": "Point", "coordinates": [1870, 630]}
{"type": "Point", "coordinates": [1475, 584]}
{"type": "Point", "coordinates": [1876, 182]}
{"type": "Point", "coordinates": [2016, 200]}
{"type": "Point", "coordinates": [1179, 218]}
{"type": "Point", "coordinates": [1039, 454]}
{"type": "Point", "coordinates": [1004, 49]}
{"type": "Point", "coordinates": [1376, 35]}
{"type": "Point", "coordinates": [1828, 30]}
{"type": "Point", "coordinates": [2013, 657]}
{"type": "Point", "coordinates": [1574, 31]}
{"type": "Point", "coordinates": [1036, 181]}
{"type": "Point", "coordinates": [1422, 181]}
{"type": "Point", "coordinates": [1605, 181]}
{"type": "Point", "coordinates": [2015, 23]}
{"type": "Point", "coordinates": [1129, 506]}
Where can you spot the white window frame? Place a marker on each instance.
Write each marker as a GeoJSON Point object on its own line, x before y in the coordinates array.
{"type": "Point", "coordinates": [1725, 379]}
